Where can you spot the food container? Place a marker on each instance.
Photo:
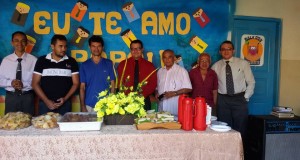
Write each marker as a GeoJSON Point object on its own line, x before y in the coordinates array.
{"type": "Point", "coordinates": [79, 121]}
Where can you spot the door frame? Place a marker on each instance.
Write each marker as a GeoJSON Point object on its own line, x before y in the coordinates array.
{"type": "Point", "coordinates": [277, 49]}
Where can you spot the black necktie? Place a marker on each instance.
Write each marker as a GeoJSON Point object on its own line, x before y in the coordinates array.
{"type": "Point", "coordinates": [19, 70]}
{"type": "Point", "coordinates": [229, 79]}
{"type": "Point", "coordinates": [136, 75]}
{"type": "Point", "coordinates": [19, 74]}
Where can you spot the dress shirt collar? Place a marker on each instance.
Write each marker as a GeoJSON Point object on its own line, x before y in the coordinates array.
{"type": "Point", "coordinates": [15, 57]}
{"type": "Point", "coordinates": [170, 68]}
{"type": "Point", "coordinates": [230, 60]}
{"type": "Point", "coordinates": [53, 60]}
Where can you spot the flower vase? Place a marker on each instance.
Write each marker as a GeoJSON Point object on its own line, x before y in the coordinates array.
{"type": "Point", "coordinates": [127, 119]}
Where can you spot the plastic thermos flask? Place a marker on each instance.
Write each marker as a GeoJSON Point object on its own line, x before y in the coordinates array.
{"type": "Point", "coordinates": [180, 108]}
{"type": "Point", "coordinates": [187, 105]}
{"type": "Point", "coordinates": [200, 114]}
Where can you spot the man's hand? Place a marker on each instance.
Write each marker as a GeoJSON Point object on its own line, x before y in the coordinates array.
{"type": "Point", "coordinates": [59, 102]}
{"type": "Point", "coordinates": [170, 94]}
{"type": "Point", "coordinates": [17, 84]}
{"type": "Point", "coordinates": [50, 104]}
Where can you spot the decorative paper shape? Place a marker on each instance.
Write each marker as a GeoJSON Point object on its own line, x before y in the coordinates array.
{"type": "Point", "coordinates": [20, 14]}
{"type": "Point", "coordinates": [200, 16]}
{"type": "Point", "coordinates": [30, 44]}
{"type": "Point", "coordinates": [80, 37]}
{"type": "Point", "coordinates": [79, 10]}
{"type": "Point", "coordinates": [130, 12]}
{"type": "Point", "coordinates": [253, 49]}
{"type": "Point", "coordinates": [128, 37]}
{"type": "Point", "coordinates": [179, 60]}
{"type": "Point", "coordinates": [198, 44]}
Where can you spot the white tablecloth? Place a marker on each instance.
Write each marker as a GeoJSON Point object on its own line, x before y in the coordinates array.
{"type": "Point", "coordinates": [120, 142]}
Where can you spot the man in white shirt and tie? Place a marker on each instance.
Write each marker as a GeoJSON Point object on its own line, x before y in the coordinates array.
{"type": "Point", "coordinates": [16, 75]}
{"type": "Point", "coordinates": [232, 101]}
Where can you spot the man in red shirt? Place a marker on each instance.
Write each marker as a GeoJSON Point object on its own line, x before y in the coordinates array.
{"type": "Point", "coordinates": [138, 69]}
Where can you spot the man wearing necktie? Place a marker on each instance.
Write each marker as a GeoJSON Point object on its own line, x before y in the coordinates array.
{"type": "Point", "coordinates": [235, 87]}
{"type": "Point", "coordinates": [16, 75]}
{"type": "Point", "coordinates": [138, 68]}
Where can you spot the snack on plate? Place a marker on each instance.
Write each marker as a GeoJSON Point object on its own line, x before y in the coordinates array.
{"type": "Point", "coordinates": [156, 117]}
{"type": "Point", "coordinates": [46, 121]}
{"type": "Point", "coordinates": [15, 120]}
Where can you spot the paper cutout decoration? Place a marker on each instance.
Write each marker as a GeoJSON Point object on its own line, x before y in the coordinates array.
{"type": "Point", "coordinates": [179, 61]}
{"type": "Point", "coordinates": [128, 37]}
{"type": "Point", "coordinates": [130, 12]}
{"type": "Point", "coordinates": [30, 44]}
{"type": "Point", "coordinates": [200, 16]}
{"type": "Point", "coordinates": [198, 44]}
{"type": "Point", "coordinates": [20, 14]}
{"type": "Point", "coordinates": [80, 37]}
{"type": "Point", "coordinates": [79, 10]}
{"type": "Point", "coordinates": [253, 49]}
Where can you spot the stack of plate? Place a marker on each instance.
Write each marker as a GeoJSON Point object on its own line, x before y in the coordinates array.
{"type": "Point", "coordinates": [218, 125]}
{"type": "Point", "coordinates": [220, 128]}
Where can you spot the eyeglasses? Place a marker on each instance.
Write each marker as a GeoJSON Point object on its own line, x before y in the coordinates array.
{"type": "Point", "coordinates": [136, 49]}
{"type": "Point", "coordinates": [204, 61]}
{"type": "Point", "coordinates": [18, 41]}
{"type": "Point", "coordinates": [226, 49]}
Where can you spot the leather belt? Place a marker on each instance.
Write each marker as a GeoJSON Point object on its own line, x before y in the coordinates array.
{"type": "Point", "coordinates": [19, 93]}
{"type": "Point", "coordinates": [233, 95]}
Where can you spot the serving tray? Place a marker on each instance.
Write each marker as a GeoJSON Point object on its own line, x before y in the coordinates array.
{"type": "Point", "coordinates": [165, 125]}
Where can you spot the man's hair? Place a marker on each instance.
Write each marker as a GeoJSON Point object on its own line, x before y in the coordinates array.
{"type": "Point", "coordinates": [58, 37]}
{"type": "Point", "coordinates": [168, 50]}
{"type": "Point", "coordinates": [226, 42]}
{"type": "Point", "coordinates": [18, 32]}
{"type": "Point", "coordinates": [137, 41]}
{"type": "Point", "coordinates": [95, 38]}
{"type": "Point", "coordinates": [203, 55]}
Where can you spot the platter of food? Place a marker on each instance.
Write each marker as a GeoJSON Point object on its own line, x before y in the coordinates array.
{"type": "Point", "coordinates": [46, 121]}
{"type": "Point", "coordinates": [79, 121]}
{"type": "Point", "coordinates": [15, 120]}
{"type": "Point", "coordinates": [155, 120]}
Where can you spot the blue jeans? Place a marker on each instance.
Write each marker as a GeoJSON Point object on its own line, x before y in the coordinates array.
{"type": "Point", "coordinates": [66, 107]}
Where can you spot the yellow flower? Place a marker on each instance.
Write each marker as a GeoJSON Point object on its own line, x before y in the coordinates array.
{"type": "Point", "coordinates": [142, 112]}
{"type": "Point", "coordinates": [103, 93]}
{"type": "Point", "coordinates": [121, 111]}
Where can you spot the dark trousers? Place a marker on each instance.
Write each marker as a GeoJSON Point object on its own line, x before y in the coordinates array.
{"type": "Point", "coordinates": [66, 107]}
{"type": "Point", "coordinates": [234, 111]}
{"type": "Point", "coordinates": [147, 103]}
{"type": "Point", "coordinates": [15, 102]}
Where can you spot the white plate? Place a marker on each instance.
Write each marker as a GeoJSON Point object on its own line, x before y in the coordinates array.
{"type": "Point", "coordinates": [219, 123]}
{"type": "Point", "coordinates": [213, 118]}
{"type": "Point", "coordinates": [220, 128]}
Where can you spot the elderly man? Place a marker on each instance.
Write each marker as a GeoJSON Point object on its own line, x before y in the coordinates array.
{"type": "Point", "coordinates": [172, 80]}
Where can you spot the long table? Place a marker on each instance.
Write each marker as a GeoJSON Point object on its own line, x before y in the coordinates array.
{"type": "Point", "coordinates": [120, 142]}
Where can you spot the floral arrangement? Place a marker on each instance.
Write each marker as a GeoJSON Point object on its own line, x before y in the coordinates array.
{"type": "Point", "coordinates": [122, 103]}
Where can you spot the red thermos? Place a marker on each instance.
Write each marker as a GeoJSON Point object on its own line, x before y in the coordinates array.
{"type": "Point", "coordinates": [200, 114]}
{"type": "Point", "coordinates": [180, 108]}
{"type": "Point", "coordinates": [187, 105]}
